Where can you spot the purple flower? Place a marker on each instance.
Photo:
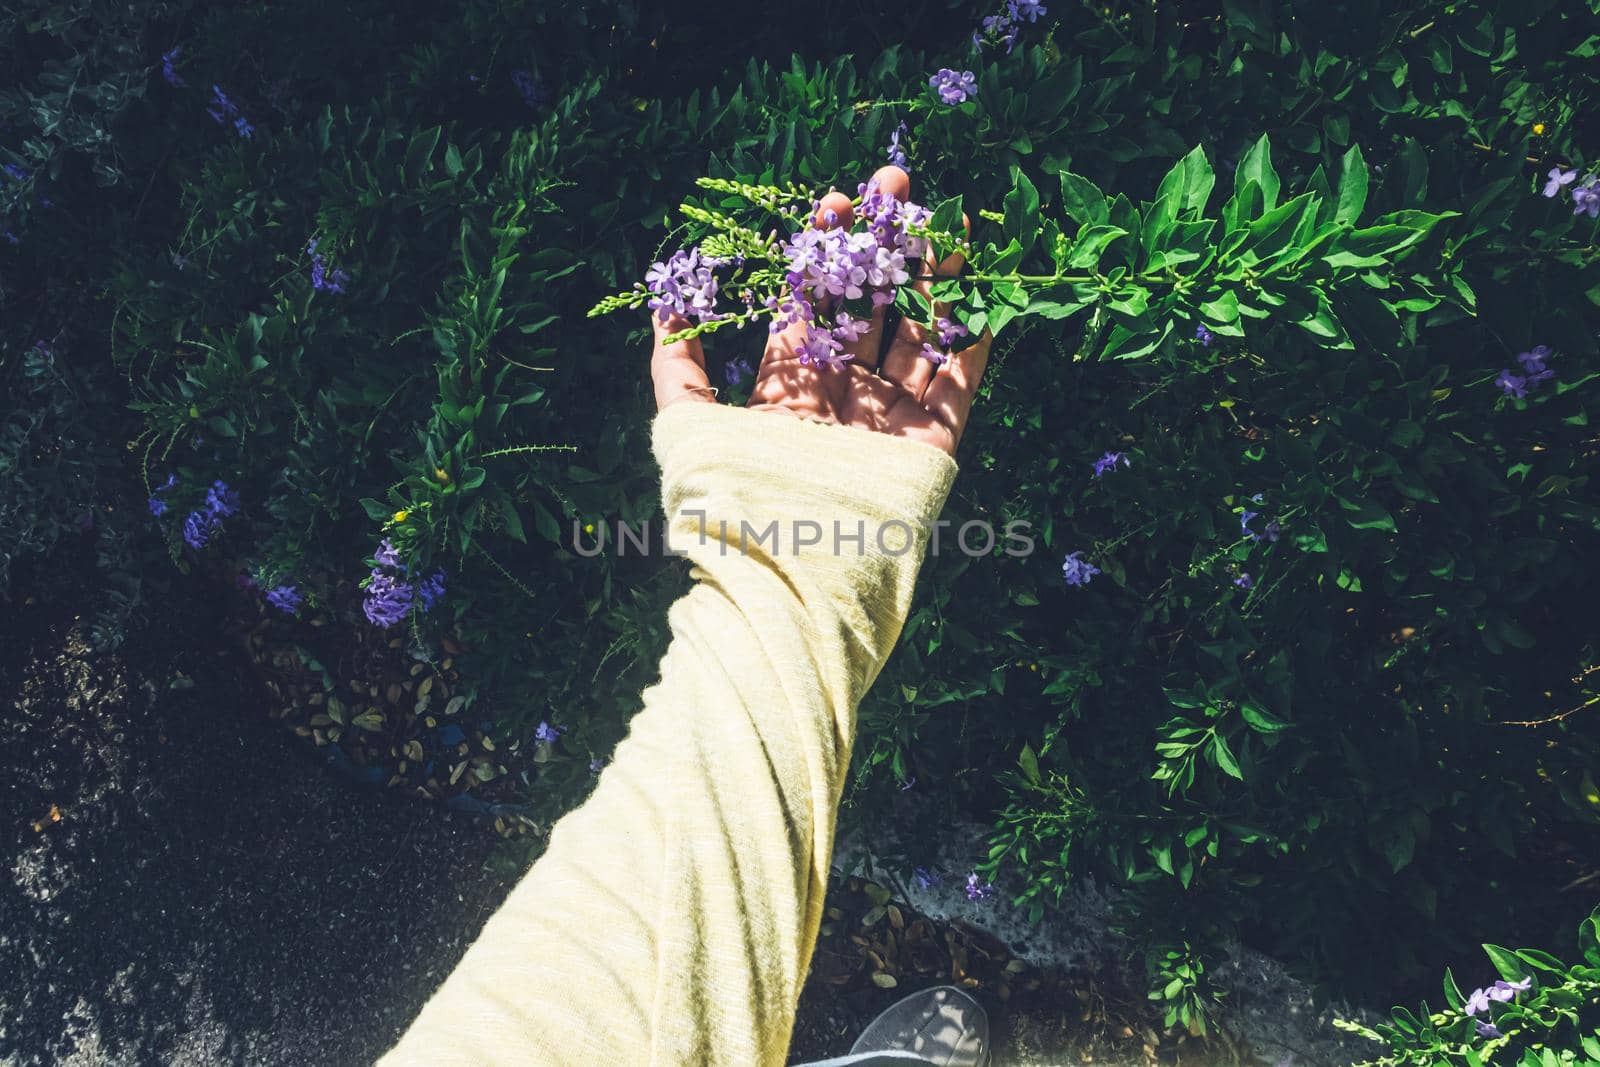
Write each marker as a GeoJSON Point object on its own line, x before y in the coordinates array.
{"type": "Point", "coordinates": [849, 329]}
{"type": "Point", "coordinates": [1503, 991]}
{"type": "Point", "coordinates": [1244, 581]}
{"type": "Point", "coordinates": [1026, 10]}
{"type": "Point", "coordinates": [1244, 524]}
{"type": "Point", "coordinates": [949, 331]}
{"type": "Point", "coordinates": [954, 88]}
{"type": "Point", "coordinates": [1204, 336]}
{"type": "Point", "coordinates": [934, 355]}
{"type": "Point", "coordinates": [596, 764]}
{"type": "Point", "coordinates": [1512, 384]}
{"type": "Point", "coordinates": [431, 590]}
{"type": "Point", "coordinates": [1533, 365]}
{"type": "Point", "coordinates": [286, 598]}
{"type": "Point", "coordinates": [220, 500]}
{"type": "Point", "coordinates": [1558, 179]}
{"type": "Point", "coordinates": [1586, 198]}
{"type": "Point", "coordinates": [736, 371]}
{"type": "Point", "coordinates": [1486, 1029]}
{"type": "Point", "coordinates": [682, 285]}
{"type": "Point", "coordinates": [548, 734]}
{"type": "Point", "coordinates": [225, 111]}
{"type": "Point", "coordinates": [11, 238]}
{"type": "Point", "coordinates": [531, 89]}
{"type": "Point", "coordinates": [1478, 1002]}
{"type": "Point", "coordinates": [1077, 571]}
{"type": "Point", "coordinates": [819, 349]}
{"type": "Point", "coordinates": [167, 71]}
{"type": "Point", "coordinates": [1109, 461]}
{"type": "Point", "coordinates": [977, 890]}
{"type": "Point", "coordinates": [322, 280]}
{"type": "Point", "coordinates": [386, 555]}
{"type": "Point", "coordinates": [925, 877]}
{"type": "Point", "coordinates": [197, 529]}
{"type": "Point", "coordinates": [15, 173]}
{"type": "Point", "coordinates": [158, 507]}
{"type": "Point", "coordinates": [897, 154]}
{"type": "Point", "coordinates": [997, 30]}
{"type": "Point", "coordinates": [388, 600]}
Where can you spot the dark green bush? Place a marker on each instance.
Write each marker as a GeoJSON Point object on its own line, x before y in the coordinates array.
{"type": "Point", "coordinates": [1325, 762]}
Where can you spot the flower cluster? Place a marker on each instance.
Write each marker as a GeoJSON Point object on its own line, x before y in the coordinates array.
{"type": "Point", "coordinates": [821, 266]}
{"type": "Point", "coordinates": [1002, 29]}
{"type": "Point", "coordinates": [1270, 532]}
{"type": "Point", "coordinates": [224, 111]}
{"type": "Point", "coordinates": [1534, 371]}
{"type": "Point", "coordinates": [1585, 194]}
{"type": "Point", "coordinates": [221, 502]}
{"type": "Point", "coordinates": [390, 596]}
{"type": "Point", "coordinates": [954, 87]}
{"type": "Point", "coordinates": [158, 506]}
{"type": "Point", "coordinates": [170, 73]}
{"type": "Point", "coordinates": [286, 598]}
{"type": "Point", "coordinates": [897, 153]}
{"type": "Point", "coordinates": [1502, 991]}
{"type": "Point", "coordinates": [322, 280]}
{"type": "Point", "coordinates": [683, 285]}
{"type": "Point", "coordinates": [978, 890]}
{"type": "Point", "coordinates": [1110, 462]}
{"type": "Point", "coordinates": [548, 733]}
{"type": "Point", "coordinates": [1078, 571]}
{"type": "Point", "coordinates": [1204, 336]}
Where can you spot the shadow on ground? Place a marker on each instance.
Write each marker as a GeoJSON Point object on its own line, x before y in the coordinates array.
{"type": "Point", "coordinates": [181, 883]}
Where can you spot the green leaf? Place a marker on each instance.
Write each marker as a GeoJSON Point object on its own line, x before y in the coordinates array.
{"type": "Point", "coordinates": [947, 217]}
{"type": "Point", "coordinates": [1091, 245]}
{"type": "Point", "coordinates": [420, 150]}
{"type": "Point", "coordinates": [1452, 992]}
{"type": "Point", "coordinates": [1259, 719]}
{"type": "Point", "coordinates": [1256, 166]}
{"type": "Point", "coordinates": [1224, 757]}
{"type": "Point", "coordinates": [1082, 201]}
{"type": "Point", "coordinates": [1352, 186]}
{"type": "Point", "coordinates": [1022, 211]}
{"type": "Point", "coordinates": [1506, 962]}
{"type": "Point", "coordinates": [1029, 762]}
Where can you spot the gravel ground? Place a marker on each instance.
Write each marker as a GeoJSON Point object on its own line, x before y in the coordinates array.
{"type": "Point", "coordinates": [181, 883]}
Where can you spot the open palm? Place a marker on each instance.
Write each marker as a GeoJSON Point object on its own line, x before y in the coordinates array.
{"type": "Point", "coordinates": [885, 387]}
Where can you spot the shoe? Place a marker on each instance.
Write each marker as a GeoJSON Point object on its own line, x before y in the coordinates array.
{"type": "Point", "coordinates": [943, 1025]}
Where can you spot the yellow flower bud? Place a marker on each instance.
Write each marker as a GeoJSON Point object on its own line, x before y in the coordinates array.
{"type": "Point", "coordinates": [1538, 129]}
{"type": "Point", "coordinates": [442, 475]}
{"type": "Point", "coordinates": [588, 527]}
{"type": "Point", "coordinates": [402, 515]}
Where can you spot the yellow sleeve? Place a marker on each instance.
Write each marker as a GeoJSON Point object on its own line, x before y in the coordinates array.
{"type": "Point", "coordinates": [673, 916]}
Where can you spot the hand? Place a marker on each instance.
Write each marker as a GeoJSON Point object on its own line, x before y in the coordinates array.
{"type": "Point", "coordinates": [910, 397]}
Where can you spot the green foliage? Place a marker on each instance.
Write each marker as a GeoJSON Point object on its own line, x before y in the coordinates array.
{"type": "Point", "coordinates": [1346, 195]}
{"type": "Point", "coordinates": [1544, 1013]}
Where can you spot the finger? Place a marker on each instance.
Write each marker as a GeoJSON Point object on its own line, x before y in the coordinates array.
{"type": "Point", "coordinates": [678, 370]}
{"type": "Point", "coordinates": [834, 209]}
{"type": "Point", "coordinates": [949, 397]}
{"type": "Point", "coordinates": [867, 348]}
{"type": "Point", "coordinates": [904, 362]}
